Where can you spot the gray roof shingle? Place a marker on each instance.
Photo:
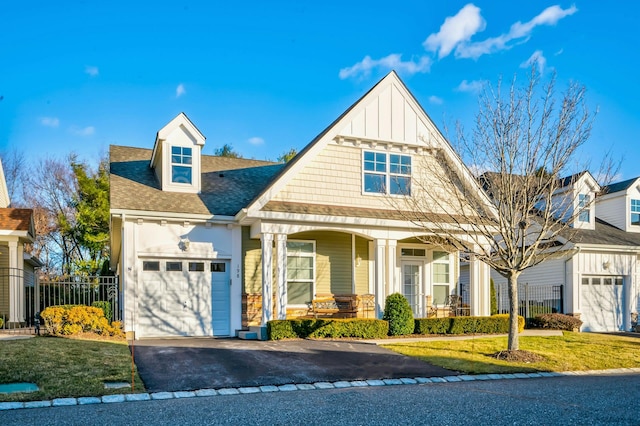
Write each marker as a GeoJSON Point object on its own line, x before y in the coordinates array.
{"type": "Point", "coordinates": [228, 184]}
{"type": "Point", "coordinates": [606, 234]}
{"type": "Point", "coordinates": [618, 186]}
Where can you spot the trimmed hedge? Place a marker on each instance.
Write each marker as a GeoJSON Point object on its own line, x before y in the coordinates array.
{"type": "Point", "coordinates": [327, 328]}
{"type": "Point", "coordinates": [556, 322]}
{"type": "Point", "coordinates": [68, 320]}
{"type": "Point", "coordinates": [106, 308]}
{"type": "Point", "coordinates": [496, 324]}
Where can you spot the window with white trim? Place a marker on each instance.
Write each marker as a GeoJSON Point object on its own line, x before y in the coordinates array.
{"type": "Point", "coordinates": [635, 212]}
{"type": "Point", "coordinates": [441, 270]}
{"type": "Point", "coordinates": [386, 173]}
{"type": "Point", "coordinates": [583, 206]}
{"type": "Point", "coordinates": [181, 164]}
{"type": "Point", "coordinates": [608, 281]}
{"type": "Point", "coordinates": [301, 256]}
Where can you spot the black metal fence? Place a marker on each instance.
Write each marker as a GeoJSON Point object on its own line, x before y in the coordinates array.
{"type": "Point", "coordinates": [532, 299]}
{"type": "Point", "coordinates": [23, 296]}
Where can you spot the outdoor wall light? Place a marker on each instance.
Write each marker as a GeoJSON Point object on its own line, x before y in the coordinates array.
{"type": "Point", "coordinates": [606, 264]}
{"type": "Point", "coordinates": [358, 260]}
{"type": "Point", "coordinates": [185, 243]}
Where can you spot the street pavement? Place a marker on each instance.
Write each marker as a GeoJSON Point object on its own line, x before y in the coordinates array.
{"type": "Point", "coordinates": [570, 400]}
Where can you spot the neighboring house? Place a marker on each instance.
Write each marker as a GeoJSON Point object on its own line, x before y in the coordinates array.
{"type": "Point", "coordinates": [17, 268]}
{"type": "Point", "coordinates": [600, 272]}
{"type": "Point", "coordinates": [210, 245]}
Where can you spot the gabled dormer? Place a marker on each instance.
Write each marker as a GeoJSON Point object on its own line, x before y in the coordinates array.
{"type": "Point", "coordinates": [576, 199]}
{"type": "Point", "coordinates": [176, 156]}
{"type": "Point", "coordinates": [619, 205]}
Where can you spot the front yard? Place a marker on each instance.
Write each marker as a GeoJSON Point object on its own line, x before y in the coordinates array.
{"type": "Point", "coordinates": [572, 351]}
{"type": "Point", "coordinates": [65, 367]}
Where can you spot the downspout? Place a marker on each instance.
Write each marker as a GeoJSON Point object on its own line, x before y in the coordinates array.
{"type": "Point", "coordinates": [575, 252]}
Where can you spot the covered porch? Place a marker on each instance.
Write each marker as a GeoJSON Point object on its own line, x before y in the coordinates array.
{"type": "Point", "coordinates": [294, 271]}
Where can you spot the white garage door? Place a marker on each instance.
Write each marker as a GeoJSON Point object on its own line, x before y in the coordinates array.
{"type": "Point", "coordinates": [602, 303]}
{"type": "Point", "coordinates": [174, 299]}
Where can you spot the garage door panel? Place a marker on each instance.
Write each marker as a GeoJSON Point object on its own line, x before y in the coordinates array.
{"type": "Point", "coordinates": [602, 304]}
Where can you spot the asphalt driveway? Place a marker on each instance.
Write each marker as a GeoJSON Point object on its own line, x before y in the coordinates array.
{"type": "Point", "coordinates": [191, 363]}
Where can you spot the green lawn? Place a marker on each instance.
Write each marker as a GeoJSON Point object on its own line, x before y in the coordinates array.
{"type": "Point", "coordinates": [572, 351]}
{"type": "Point", "coordinates": [65, 367]}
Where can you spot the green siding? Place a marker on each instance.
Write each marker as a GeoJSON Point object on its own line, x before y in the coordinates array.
{"type": "Point", "coordinates": [362, 271]}
{"type": "Point", "coordinates": [252, 262]}
{"type": "Point", "coordinates": [333, 261]}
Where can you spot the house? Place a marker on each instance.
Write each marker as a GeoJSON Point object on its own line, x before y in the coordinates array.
{"type": "Point", "coordinates": [17, 268]}
{"type": "Point", "coordinates": [600, 270]}
{"type": "Point", "coordinates": [208, 246]}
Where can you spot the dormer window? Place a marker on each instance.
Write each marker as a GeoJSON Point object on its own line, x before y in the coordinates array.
{"type": "Point", "coordinates": [635, 212]}
{"type": "Point", "coordinates": [181, 164]}
{"type": "Point", "coordinates": [583, 206]}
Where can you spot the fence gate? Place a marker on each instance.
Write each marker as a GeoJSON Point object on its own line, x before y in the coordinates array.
{"type": "Point", "coordinates": [26, 296]}
{"type": "Point", "coordinates": [533, 300]}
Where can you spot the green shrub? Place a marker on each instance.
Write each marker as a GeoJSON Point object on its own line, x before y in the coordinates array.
{"type": "Point", "coordinates": [556, 322]}
{"type": "Point", "coordinates": [496, 324]}
{"type": "Point", "coordinates": [327, 328]}
{"type": "Point", "coordinates": [106, 308]}
{"type": "Point", "coordinates": [1, 321]}
{"type": "Point", "coordinates": [494, 298]}
{"type": "Point", "coordinates": [399, 315]}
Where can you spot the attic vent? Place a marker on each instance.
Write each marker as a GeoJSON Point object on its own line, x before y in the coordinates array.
{"type": "Point", "coordinates": [221, 175]}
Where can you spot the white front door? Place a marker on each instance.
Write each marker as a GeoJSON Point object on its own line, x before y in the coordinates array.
{"type": "Point", "coordinates": [412, 286]}
{"type": "Point", "coordinates": [221, 297]}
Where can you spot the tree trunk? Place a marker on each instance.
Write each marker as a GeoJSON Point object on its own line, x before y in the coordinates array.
{"type": "Point", "coordinates": [513, 344]}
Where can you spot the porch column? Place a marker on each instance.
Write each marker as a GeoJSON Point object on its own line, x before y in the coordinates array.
{"type": "Point", "coordinates": [281, 275]}
{"type": "Point", "coordinates": [267, 277]}
{"type": "Point", "coordinates": [16, 293]}
{"type": "Point", "coordinates": [379, 271]}
{"type": "Point", "coordinates": [394, 282]}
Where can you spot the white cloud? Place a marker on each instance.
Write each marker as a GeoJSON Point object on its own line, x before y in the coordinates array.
{"type": "Point", "coordinates": [91, 70]}
{"type": "Point", "coordinates": [518, 32]}
{"type": "Point", "coordinates": [455, 30]}
{"type": "Point", "coordinates": [50, 121]}
{"type": "Point", "coordinates": [435, 100]}
{"type": "Point", "coordinates": [559, 52]}
{"type": "Point", "coordinates": [393, 61]}
{"type": "Point", "coordinates": [474, 86]}
{"type": "Point", "coordinates": [180, 90]}
{"type": "Point", "coordinates": [537, 59]}
{"type": "Point", "coordinates": [83, 131]}
{"type": "Point", "coordinates": [256, 140]}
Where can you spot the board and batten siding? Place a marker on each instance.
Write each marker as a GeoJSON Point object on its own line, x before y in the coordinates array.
{"type": "Point", "coordinates": [550, 272]}
{"type": "Point", "coordinates": [613, 211]}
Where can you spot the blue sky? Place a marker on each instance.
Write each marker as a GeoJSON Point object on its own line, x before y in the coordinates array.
{"type": "Point", "coordinates": [268, 76]}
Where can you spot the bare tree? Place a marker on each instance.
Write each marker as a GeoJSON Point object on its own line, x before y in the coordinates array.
{"type": "Point", "coordinates": [15, 170]}
{"type": "Point", "coordinates": [526, 141]}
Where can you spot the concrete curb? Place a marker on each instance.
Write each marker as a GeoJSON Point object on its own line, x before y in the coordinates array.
{"type": "Point", "coordinates": [341, 384]}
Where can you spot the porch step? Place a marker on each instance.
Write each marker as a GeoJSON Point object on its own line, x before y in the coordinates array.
{"type": "Point", "coordinates": [261, 331]}
{"type": "Point", "coordinates": [247, 335]}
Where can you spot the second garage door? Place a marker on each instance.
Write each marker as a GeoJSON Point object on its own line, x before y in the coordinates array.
{"type": "Point", "coordinates": [602, 303]}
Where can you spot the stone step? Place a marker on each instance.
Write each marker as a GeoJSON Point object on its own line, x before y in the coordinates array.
{"type": "Point", "coordinates": [260, 330]}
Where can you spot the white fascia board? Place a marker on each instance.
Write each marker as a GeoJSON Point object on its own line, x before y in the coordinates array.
{"type": "Point", "coordinates": [608, 248]}
{"type": "Point", "coordinates": [140, 214]}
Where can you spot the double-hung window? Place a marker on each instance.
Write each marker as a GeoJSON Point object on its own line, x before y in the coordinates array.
{"type": "Point", "coordinates": [441, 267]}
{"type": "Point", "coordinates": [386, 173]}
{"type": "Point", "coordinates": [635, 212]}
{"type": "Point", "coordinates": [181, 164]}
{"type": "Point", "coordinates": [583, 206]}
{"type": "Point", "coordinates": [300, 272]}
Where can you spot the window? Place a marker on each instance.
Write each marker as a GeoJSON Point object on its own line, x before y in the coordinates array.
{"type": "Point", "coordinates": [412, 252]}
{"type": "Point", "coordinates": [150, 266]}
{"type": "Point", "coordinates": [386, 174]}
{"type": "Point", "coordinates": [441, 277]}
{"type": "Point", "coordinates": [173, 266]}
{"type": "Point", "coordinates": [300, 272]}
{"type": "Point", "coordinates": [181, 160]}
{"type": "Point", "coordinates": [196, 266]}
{"type": "Point", "coordinates": [635, 212]}
{"type": "Point", "coordinates": [608, 281]}
{"type": "Point", "coordinates": [217, 266]}
{"type": "Point", "coordinates": [583, 205]}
